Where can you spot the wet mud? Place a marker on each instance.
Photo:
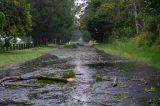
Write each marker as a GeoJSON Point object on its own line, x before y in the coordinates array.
{"type": "Point", "coordinates": [135, 80]}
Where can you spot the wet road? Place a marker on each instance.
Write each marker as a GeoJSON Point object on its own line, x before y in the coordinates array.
{"type": "Point", "coordinates": [87, 62]}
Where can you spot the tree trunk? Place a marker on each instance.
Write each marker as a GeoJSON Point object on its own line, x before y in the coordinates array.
{"type": "Point", "coordinates": [17, 78]}
{"type": "Point", "coordinates": [158, 28]}
{"type": "Point", "coordinates": [136, 16]}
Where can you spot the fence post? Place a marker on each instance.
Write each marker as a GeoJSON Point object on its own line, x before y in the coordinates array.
{"type": "Point", "coordinates": [30, 45]}
{"type": "Point", "coordinates": [10, 48]}
{"type": "Point", "coordinates": [13, 46]}
{"type": "Point", "coordinates": [27, 45]}
{"type": "Point", "coordinates": [19, 46]}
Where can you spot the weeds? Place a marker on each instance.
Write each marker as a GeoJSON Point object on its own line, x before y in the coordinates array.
{"type": "Point", "coordinates": [98, 77]}
{"type": "Point", "coordinates": [69, 74]}
{"type": "Point", "coordinates": [154, 101]}
{"type": "Point", "coordinates": [117, 97]}
{"type": "Point", "coordinates": [151, 89]}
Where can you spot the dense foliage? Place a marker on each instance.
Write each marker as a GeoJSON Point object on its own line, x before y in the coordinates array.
{"type": "Point", "coordinates": [52, 20]}
{"type": "Point", "coordinates": [122, 19]}
{"type": "Point", "coordinates": [45, 20]}
{"type": "Point", "coordinates": [15, 17]}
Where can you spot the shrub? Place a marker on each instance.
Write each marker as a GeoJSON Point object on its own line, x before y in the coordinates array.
{"type": "Point", "coordinates": [92, 42]}
{"type": "Point", "coordinates": [143, 39]}
{"type": "Point", "coordinates": [157, 43]}
{"type": "Point", "coordinates": [122, 33]}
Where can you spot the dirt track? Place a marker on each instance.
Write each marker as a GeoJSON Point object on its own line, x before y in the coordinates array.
{"type": "Point", "coordinates": [87, 62]}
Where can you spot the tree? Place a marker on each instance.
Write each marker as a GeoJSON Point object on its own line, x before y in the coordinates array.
{"type": "Point", "coordinates": [18, 18]}
{"type": "Point", "coordinates": [2, 21]}
{"type": "Point", "coordinates": [52, 19]}
{"type": "Point", "coordinates": [135, 2]}
{"type": "Point", "coordinates": [151, 11]}
{"type": "Point", "coordinates": [102, 18]}
{"type": "Point", "coordinates": [95, 20]}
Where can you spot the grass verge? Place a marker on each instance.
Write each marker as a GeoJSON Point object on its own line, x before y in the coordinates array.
{"type": "Point", "coordinates": [20, 56]}
{"type": "Point", "coordinates": [148, 55]}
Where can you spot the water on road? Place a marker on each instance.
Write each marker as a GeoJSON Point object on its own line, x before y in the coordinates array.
{"type": "Point", "coordinates": [134, 89]}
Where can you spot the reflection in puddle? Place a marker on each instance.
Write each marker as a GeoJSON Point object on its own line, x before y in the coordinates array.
{"type": "Point", "coordinates": [80, 93]}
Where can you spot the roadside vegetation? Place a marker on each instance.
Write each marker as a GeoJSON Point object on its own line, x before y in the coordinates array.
{"type": "Point", "coordinates": [128, 50]}
{"type": "Point", "coordinates": [20, 56]}
{"type": "Point", "coordinates": [154, 102]}
{"type": "Point", "coordinates": [124, 28]}
{"type": "Point", "coordinates": [24, 22]}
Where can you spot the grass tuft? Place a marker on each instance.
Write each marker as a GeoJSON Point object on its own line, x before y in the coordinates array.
{"type": "Point", "coordinates": [98, 77]}
{"type": "Point", "coordinates": [151, 89]}
{"type": "Point", "coordinates": [117, 97]}
{"type": "Point", "coordinates": [154, 101]}
{"type": "Point", "coordinates": [69, 74]}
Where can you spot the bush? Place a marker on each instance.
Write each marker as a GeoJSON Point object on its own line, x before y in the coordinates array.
{"type": "Point", "coordinates": [157, 43]}
{"type": "Point", "coordinates": [92, 42]}
{"type": "Point", "coordinates": [122, 33]}
{"type": "Point", "coordinates": [143, 39]}
{"type": "Point", "coordinates": [86, 36]}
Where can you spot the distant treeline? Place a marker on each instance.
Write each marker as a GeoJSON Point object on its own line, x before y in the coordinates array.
{"type": "Point", "coordinates": [44, 20]}
{"type": "Point", "coordinates": [138, 20]}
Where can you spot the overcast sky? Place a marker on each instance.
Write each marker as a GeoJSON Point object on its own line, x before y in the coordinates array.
{"type": "Point", "coordinates": [79, 2]}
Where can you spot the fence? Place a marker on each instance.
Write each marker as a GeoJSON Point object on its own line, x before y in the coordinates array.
{"type": "Point", "coordinates": [18, 47]}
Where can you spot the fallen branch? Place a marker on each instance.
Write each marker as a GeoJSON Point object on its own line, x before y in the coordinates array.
{"type": "Point", "coordinates": [20, 85]}
{"type": "Point", "coordinates": [17, 78]}
{"type": "Point", "coordinates": [115, 82]}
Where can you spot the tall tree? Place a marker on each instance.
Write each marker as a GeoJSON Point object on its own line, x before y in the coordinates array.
{"type": "Point", "coordinates": [52, 19]}
{"type": "Point", "coordinates": [18, 18]}
{"type": "Point", "coordinates": [104, 17]}
{"type": "Point", "coordinates": [151, 10]}
{"type": "Point", "coordinates": [2, 21]}
{"type": "Point", "coordinates": [135, 5]}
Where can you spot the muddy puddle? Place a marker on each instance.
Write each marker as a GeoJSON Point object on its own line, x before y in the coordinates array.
{"type": "Point", "coordinates": [138, 83]}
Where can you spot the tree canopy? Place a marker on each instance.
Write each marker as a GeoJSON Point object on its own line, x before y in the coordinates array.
{"type": "Point", "coordinates": [119, 19]}
{"type": "Point", "coordinates": [45, 20]}
{"type": "Point", "coordinates": [17, 17]}
{"type": "Point", "coordinates": [52, 20]}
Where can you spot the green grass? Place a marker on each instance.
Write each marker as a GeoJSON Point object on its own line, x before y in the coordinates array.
{"type": "Point", "coordinates": [148, 55]}
{"type": "Point", "coordinates": [118, 97]}
{"type": "Point", "coordinates": [154, 101]}
{"type": "Point", "coordinates": [20, 56]}
{"type": "Point", "coordinates": [69, 74]}
{"type": "Point", "coordinates": [46, 82]}
{"type": "Point", "coordinates": [98, 77]}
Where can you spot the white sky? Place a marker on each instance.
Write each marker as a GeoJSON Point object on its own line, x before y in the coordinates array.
{"type": "Point", "coordinates": [79, 2]}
